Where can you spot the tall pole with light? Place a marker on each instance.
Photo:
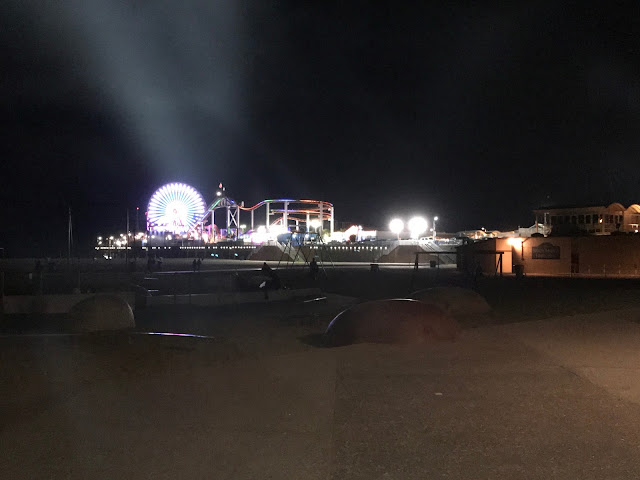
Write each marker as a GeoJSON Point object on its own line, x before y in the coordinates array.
{"type": "Point", "coordinates": [315, 224]}
{"type": "Point", "coordinates": [126, 244]}
{"type": "Point", "coordinates": [396, 226]}
{"type": "Point", "coordinates": [435, 219]}
{"type": "Point", "coordinates": [69, 238]}
{"type": "Point", "coordinates": [135, 235]}
{"type": "Point", "coordinates": [417, 226]}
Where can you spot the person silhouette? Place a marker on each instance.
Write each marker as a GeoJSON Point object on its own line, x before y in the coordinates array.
{"type": "Point", "coordinates": [314, 269]}
{"type": "Point", "coordinates": [272, 283]}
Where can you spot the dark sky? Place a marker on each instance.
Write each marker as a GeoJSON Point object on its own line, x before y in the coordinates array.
{"type": "Point", "coordinates": [475, 111]}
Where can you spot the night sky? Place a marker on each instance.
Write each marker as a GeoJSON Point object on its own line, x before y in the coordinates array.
{"type": "Point", "coordinates": [475, 111]}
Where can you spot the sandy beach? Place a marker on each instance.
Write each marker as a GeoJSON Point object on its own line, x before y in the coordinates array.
{"type": "Point", "coordinates": [253, 395]}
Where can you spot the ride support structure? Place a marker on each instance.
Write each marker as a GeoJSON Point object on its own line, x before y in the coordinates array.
{"type": "Point", "coordinates": [280, 215]}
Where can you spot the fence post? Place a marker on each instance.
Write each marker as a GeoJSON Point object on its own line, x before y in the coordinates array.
{"type": "Point", "coordinates": [1, 292]}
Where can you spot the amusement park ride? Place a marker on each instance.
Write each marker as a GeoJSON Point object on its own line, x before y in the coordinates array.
{"type": "Point", "coordinates": [177, 211]}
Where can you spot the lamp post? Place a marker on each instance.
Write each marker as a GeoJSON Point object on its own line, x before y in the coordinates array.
{"type": "Point", "coordinates": [435, 219]}
{"type": "Point", "coordinates": [417, 226]}
{"type": "Point", "coordinates": [315, 224]}
{"type": "Point", "coordinates": [135, 234]}
{"type": "Point", "coordinates": [396, 225]}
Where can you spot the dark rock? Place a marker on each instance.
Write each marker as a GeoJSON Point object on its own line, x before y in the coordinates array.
{"type": "Point", "coordinates": [102, 313]}
{"type": "Point", "coordinates": [391, 321]}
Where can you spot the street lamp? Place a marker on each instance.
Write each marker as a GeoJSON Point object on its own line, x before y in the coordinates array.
{"type": "Point", "coordinates": [417, 226]}
{"type": "Point", "coordinates": [396, 225]}
{"type": "Point", "coordinates": [315, 223]}
{"type": "Point", "coordinates": [435, 219]}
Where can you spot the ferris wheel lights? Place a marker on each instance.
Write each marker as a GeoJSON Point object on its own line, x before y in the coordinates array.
{"type": "Point", "coordinates": [175, 208]}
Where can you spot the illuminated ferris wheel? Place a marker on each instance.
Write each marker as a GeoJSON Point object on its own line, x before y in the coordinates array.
{"type": "Point", "coordinates": [175, 208]}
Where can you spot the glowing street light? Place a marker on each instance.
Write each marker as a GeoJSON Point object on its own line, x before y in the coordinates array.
{"type": "Point", "coordinates": [435, 219]}
{"type": "Point", "coordinates": [417, 226]}
{"type": "Point", "coordinates": [396, 226]}
{"type": "Point", "coordinates": [315, 223]}
{"type": "Point", "coordinates": [515, 242]}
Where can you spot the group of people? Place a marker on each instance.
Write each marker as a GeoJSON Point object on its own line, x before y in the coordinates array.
{"type": "Point", "coordinates": [152, 262]}
{"type": "Point", "coordinates": [273, 281]}
{"type": "Point", "coordinates": [196, 264]}
{"type": "Point", "coordinates": [50, 266]}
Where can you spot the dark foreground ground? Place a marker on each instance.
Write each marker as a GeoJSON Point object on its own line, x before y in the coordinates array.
{"type": "Point", "coordinates": [547, 387]}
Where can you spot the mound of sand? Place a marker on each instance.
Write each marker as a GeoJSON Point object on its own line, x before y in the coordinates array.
{"type": "Point", "coordinates": [270, 253]}
{"type": "Point", "coordinates": [456, 301]}
{"type": "Point", "coordinates": [401, 254]}
{"type": "Point", "coordinates": [102, 313]}
{"type": "Point", "coordinates": [391, 321]}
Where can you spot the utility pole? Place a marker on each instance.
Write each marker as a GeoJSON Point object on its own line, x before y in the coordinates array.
{"type": "Point", "coordinates": [69, 238]}
{"type": "Point", "coordinates": [135, 235]}
{"type": "Point", "coordinates": [126, 245]}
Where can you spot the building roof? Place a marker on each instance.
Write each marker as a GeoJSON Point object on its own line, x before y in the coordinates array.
{"type": "Point", "coordinates": [635, 208]}
{"type": "Point", "coordinates": [615, 206]}
{"type": "Point", "coordinates": [568, 207]}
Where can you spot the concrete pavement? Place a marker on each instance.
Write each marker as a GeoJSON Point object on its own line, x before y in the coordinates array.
{"type": "Point", "coordinates": [537, 400]}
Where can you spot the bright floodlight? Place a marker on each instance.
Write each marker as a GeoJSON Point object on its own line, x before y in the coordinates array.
{"type": "Point", "coordinates": [514, 242]}
{"type": "Point", "coordinates": [175, 208]}
{"type": "Point", "coordinates": [396, 225]}
{"type": "Point", "coordinates": [417, 226]}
